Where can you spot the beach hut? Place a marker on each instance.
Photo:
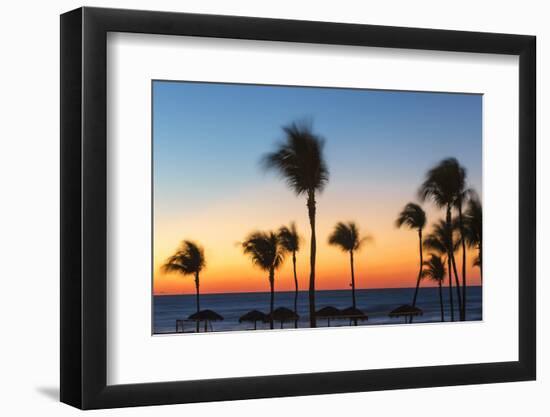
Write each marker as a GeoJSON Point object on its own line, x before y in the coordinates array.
{"type": "Point", "coordinates": [353, 314]}
{"type": "Point", "coordinates": [208, 316]}
{"type": "Point", "coordinates": [253, 316]}
{"type": "Point", "coordinates": [328, 313]}
{"type": "Point", "coordinates": [406, 311]}
{"type": "Point", "coordinates": [283, 315]}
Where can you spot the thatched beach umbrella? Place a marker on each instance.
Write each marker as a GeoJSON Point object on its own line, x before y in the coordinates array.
{"type": "Point", "coordinates": [253, 316]}
{"type": "Point", "coordinates": [328, 313]}
{"type": "Point", "coordinates": [282, 314]}
{"type": "Point", "coordinates": [208, 316]}
{"type": "Point", "coordinates": [406, 311]}
{"type": "Point", "coordinates": [354, 314]}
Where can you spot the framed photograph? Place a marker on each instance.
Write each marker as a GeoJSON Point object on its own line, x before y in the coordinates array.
{"type": "Point", "coordinates": [259, 208]}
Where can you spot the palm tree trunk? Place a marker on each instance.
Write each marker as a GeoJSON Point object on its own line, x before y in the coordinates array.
{"type": "Point", "coordinates": [313, 252]}
{"type": "Point", "coordinates": [441, 302]}
{"type": "Point", "coordinates": [272, 296]}
{"type": "Point", "coordinates": [461, 226]}
{"type": "Point", "coordinates": [354, 303]}
{"type": "Point", "coordinates": [295, 287]}
{"type": "Point", "coordinates": [198, 299]}
{"type": "Point", "coordinates": [457, 282]}
{"type": "Point", "coordinates": [449, 261]}
{"type": "Point", "coordinates": [419, 271]}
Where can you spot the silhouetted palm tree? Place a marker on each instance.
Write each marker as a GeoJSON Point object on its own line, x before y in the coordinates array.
{"type": "Point", "coordinates": [434, 269]}
{"type": "Point", "coordinates": [441, 241]}
{"type": "Point", "coordinates": [266, 252]}
{"type": "Point", "coordinates": [444, 185]}
{"type": "Point", "coordinates": [188, 260]}
{"type": "Point", "coordinates": [299, 160]}
{"type": "Point", "coordinates": [290, 240]}
{"type": "Point", "coordinates": [462, 197]}
{"type": "Point", "coordinates": [413, 217]}
{"type": "Point", "coordinates": [473, 230]}
{"type": "Point", "coordinates": [346, 236]}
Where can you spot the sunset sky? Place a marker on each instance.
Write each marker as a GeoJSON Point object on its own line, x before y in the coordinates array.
{"type": "Point", "coordinates": [208, 140]}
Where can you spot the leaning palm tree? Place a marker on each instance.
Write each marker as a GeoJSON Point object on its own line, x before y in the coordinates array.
{"type": "Point", "coordinates": [346, 236]}
{"type": "Point", "coordinates": [434, 269]}
{"type": "Point", "coordinates": [473, 230]}
{"type": "Point", "coordinates": [266, 252]}
{"type": "Point", "coordinates": [413, 217]}
{"type": "Point", "coordinates": [188, 260]}
{"type": "Point", "coordinates": [440, 240]}
{"type": "Point", "coordinates": [290, 240]}
{"type": "Point", "coordinates": [444, 185]}
{"type": "Point", "coordinates": [299, 160]}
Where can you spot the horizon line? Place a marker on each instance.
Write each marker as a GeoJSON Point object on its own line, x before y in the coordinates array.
{"type": "Point", "coordinates": [292, 291]}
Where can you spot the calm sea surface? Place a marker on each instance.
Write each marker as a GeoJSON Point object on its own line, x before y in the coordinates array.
{"type": "Point", "coordinates": [376, 303]}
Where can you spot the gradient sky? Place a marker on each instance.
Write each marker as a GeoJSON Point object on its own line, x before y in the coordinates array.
{"type": "Point", "coordinates": [208, 140]}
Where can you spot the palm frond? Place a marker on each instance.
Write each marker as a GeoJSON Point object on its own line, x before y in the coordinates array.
{"type": "Point", "coordinates": [347, 237]}
{"type": "Point", "coordinates": [188, 259]}
{"type": "Point", "coordinates": [289, 238]}
{"type": "Point", "coordinates": [299, 159]}
{"type": "Point", "coordinates": [264, 249]}
{"type": "Point", "coordinates": [412, 216]}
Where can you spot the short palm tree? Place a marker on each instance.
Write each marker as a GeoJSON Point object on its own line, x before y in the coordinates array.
{"type": "Point", "coordinates": [267, 253]}
{"type": "Point", "coordinates": [434, 269]}
{"type": "Point", "coordinates": [346, 236]}
{"type": "Point", "coordinates": [299, 160]}
{"type": "Point", "coordinates": [473, 230]}
{"type": "Point", "coordinates": [444, 185]}
{"type": "Point", "coordinates": [413, 217]}
{"type": "Point", "coordinates": [440, 240]}
{"type": "Point", "coordinates": [290, 240]}
{"type": "Point", "coordinates": [188, 260]}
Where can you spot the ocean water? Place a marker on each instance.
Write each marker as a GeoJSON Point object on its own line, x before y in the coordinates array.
{"type": "Point", "coordinates": [376, 303]}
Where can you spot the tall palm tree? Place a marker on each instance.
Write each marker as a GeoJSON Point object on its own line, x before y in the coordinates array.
{"type": "Point", "coordinates": [462, 197]}
{"type": "Point", "coordinates": [473, 230]}
{"type": "Point", "coordinates": [266, 252]}
{"type": "Point", "coordinates": [413, 217]}
{"type": "Point", "coordinates": [434, 269]}
{"type": "Point", "coordinates": [188, 260]}
{"type": "Point", "coordinates": [346, 236]}
{"type": "Point", "coordinates": [299, 160]}
{"type": "Point", "coordinates": [440, 240]}
{"type": "Point", "coordinates": [290, 240]}
{"type": "Point", "coordinates": [444, 185]}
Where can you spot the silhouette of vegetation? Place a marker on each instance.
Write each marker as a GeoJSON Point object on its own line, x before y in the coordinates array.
{"type": "Point", "coordinates": [346, 236]}
{"type": "Point", "coordinates": [267, 253]}
{"type": "Point", "coordinates": [441, 241]}
{"type": "Point", "coordinates": [434, 269]}
{"type": "Point", "coordinates": [413, 217]}
{"type": "Point", "coordinates": [473, 229]}
{"type": "Point", "coordinates": [300, 162]}
{"type": "Point", "coordinates": [290, 240]}
{"type": "Point", "coordinates": [445, 185]}
{"type": "Point", "coordinates": [188, 260]}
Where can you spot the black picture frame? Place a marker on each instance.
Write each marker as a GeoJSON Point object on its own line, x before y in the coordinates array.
{"type": "Point", "coordinates": [84, 207]}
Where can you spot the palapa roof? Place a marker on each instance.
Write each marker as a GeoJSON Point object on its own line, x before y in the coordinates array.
{"type": "Point", "coordinates": [328, 312]}
{"type": "Point", "coordinates": [405, 310]}
{"type": "Point", "coordinates": [282, 314]}
{"type": "Point", "coordinates": [205, 315]}
{"type": "Point", "coordinates": [252, 316]}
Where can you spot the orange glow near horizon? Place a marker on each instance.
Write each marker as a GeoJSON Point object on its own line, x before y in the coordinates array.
{"type": "Point", "coordinates": [389, 261]}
